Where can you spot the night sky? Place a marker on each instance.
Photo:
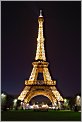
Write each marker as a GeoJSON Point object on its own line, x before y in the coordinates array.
{"type": "Point", "coordinates": [62, 33]}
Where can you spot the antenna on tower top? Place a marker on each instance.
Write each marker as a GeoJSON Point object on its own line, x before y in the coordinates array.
{"type": "Point", "coordinates": [40, 13]}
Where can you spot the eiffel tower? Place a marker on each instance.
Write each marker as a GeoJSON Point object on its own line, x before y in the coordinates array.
{"type": "Point", "coordinates": [35, 86]}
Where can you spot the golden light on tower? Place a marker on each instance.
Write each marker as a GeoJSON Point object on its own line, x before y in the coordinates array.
{"type": "Point", "coordinates": [40, 52]}
{"type": "Point", "coordinates": [33, 86]}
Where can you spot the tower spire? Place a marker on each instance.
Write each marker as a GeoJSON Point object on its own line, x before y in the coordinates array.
{"type": "Point", "coordinates": [40, 52]}
{"type": "Point", "coordinates": [40, 13]}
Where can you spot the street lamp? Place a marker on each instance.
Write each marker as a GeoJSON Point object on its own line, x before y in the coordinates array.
{"type": "Point", "coordinates": [3, 95]}
{"type": "Point", "coordinates": [15, 100]}
{"type": "Point", "coordinates": [3, 101]}
{"type": "Point", "coordinates": [15, 103]}
{"type": "Point", "coordinates": [78, 100]}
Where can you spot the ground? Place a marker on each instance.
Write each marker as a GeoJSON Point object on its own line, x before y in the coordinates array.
{"type": "Point", "coordinates": [30, 115]}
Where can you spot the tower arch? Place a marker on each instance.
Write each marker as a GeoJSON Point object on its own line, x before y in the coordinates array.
{"type": "Point", "coordinates": [40, 100]}
{"type": "Point", "coordinates": [36, 93]}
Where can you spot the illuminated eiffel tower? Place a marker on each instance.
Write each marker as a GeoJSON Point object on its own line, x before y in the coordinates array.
{"type": "Point", "coordinates": [45, 86]}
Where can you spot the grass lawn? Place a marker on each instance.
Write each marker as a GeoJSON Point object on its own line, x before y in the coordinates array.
{"type": "Point", "coordinates": [30, 115]}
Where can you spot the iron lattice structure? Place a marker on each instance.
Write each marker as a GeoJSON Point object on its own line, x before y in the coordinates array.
{"type": "Point", "coordinates": [33, 86]}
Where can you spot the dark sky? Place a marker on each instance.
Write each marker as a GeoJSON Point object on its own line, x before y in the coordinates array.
{"type": "Point", "coordinates": [62, 33]}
